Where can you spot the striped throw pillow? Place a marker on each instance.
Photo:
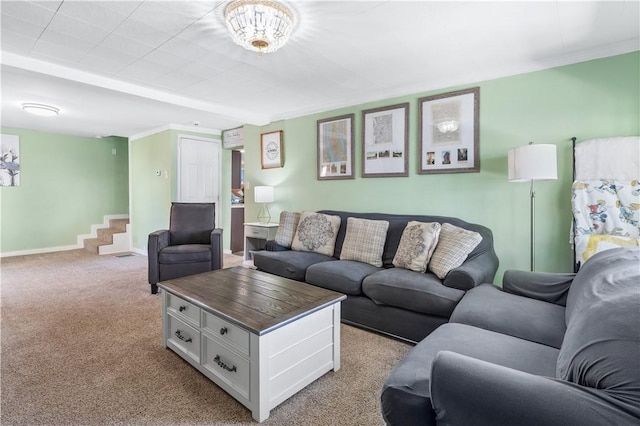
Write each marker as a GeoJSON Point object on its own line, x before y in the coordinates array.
{"type": "Point", "coordinates": [364, 240]}
{"type": "Point", "coordinates": [287, 228]}
{"type": "Point", "coordinates": [454, 245]}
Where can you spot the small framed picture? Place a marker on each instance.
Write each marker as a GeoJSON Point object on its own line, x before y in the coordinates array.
{"type": "Point", "coordinates": [449, 130]}
{"type": "Point", "coordinates": [271, 149]}
{"type": "Point", "coordinates": [335, 148]}
{"type": "Point", "coordinates": [385, 141]}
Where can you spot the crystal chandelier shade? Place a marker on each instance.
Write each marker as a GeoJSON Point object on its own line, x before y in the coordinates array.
{"type": "Point", "coordinates": [259, 25]}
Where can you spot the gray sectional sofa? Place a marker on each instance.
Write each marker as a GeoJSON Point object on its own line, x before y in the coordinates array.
{"type": "Point", "coordinates": [547, 349]}
{"type": "Point", "coordinates": [395, 301]}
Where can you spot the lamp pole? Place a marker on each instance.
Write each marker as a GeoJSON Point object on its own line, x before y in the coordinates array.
{"type": "Point", "coordinates": [533, 226]}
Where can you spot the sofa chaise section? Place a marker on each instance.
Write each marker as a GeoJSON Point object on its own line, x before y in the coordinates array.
{"type": "Point", "coordinates": [501, 365]}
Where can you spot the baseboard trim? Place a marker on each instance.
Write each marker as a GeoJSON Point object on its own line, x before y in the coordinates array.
{"type": "Point", "coordinates": [39, 251]}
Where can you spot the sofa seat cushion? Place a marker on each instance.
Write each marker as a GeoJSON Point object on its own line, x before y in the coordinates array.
{"type": "Point", "coordinates": [187, 253]}
{"type": "Point", "coordinates": [288, 263]}
{"type": "Point", "coordinates": [406, 392]}
{"type": "Point", "coordinates": [411, 290]}
{"type": "Point", "coordinates": [488, 307]}
{"type": "Point", "coordinates": [343, 276]}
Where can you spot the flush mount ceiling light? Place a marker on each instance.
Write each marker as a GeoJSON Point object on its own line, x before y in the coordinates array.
{"type": "Point", "coordinates": [261, 26]}
{"type": "Point", "coordinates": [40, 109]}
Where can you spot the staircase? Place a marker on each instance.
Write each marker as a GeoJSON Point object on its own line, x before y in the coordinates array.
{"type": "Point", "coordinates": [110, 239]}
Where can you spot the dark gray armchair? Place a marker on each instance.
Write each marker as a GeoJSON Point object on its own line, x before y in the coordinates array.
{"type": "Point", "coordinates": [190, 246]}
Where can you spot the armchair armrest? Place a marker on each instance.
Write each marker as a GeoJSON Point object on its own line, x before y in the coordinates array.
{"type": "Point", "coordinates": [217, 252]}
{"type": "Point", "coordinates": [545, 286]}
{"type": "Point", "coordinates": [473, 272]}
{"type": "Point", "coordinates": [157, 241]}
{"type": "Point", "coordinates": [467, 391]}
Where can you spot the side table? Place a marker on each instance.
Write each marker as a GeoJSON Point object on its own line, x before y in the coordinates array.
{"type": "Point", "coordinates": [255, 236]}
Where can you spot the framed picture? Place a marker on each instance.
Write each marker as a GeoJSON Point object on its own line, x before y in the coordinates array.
{"type": "Point", "coordinates": [9, 160]}
{"type": "Point", "coordinates": [335, 147]}
{"type": "Point", "coordinates": [449, 132]}
{"type": "Point", "coordinates": [271, 149]}
{"type": "Point", "coordinates": [232, 138]}
{"type": "Point", "coordinates": [385, 141]}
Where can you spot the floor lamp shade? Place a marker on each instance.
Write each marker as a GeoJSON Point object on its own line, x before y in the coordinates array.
{"type": "Point", "coordinates": [264, 195]}
{"type": "Point", "coordinates": [530, 163]}
{"type": "Point", "coordinates": [533, 162]}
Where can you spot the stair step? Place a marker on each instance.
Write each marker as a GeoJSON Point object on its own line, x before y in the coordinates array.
{"type": "Point", "coordinates": [92, 244]}
{"type": "Point", "coordinates": [105, 235]}
{"type": "Point", "coordinates": [120, 225]}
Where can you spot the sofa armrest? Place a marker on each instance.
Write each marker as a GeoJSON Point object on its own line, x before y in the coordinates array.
{"type": "Point", "coordinates": [217, 251]}
{"type": "Point", "coordinates": [473, 272]}
{"type": "Point", "coordinates": [545, 286]}
{"type": "Point", "coordinates": [157, 241]}
{"type": "Point", "coordinates": [467, 391]}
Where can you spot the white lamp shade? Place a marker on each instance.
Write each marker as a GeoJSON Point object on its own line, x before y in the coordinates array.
{"type": "Point", "coordinates": [263, 194]}
{"type": "Point", "coordinates": [533, 162]}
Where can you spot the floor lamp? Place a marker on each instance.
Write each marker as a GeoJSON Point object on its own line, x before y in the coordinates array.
{"type": "Point", "coordinates": [530, 163]}
{"type": "Point", "coordinates": [264, 195]}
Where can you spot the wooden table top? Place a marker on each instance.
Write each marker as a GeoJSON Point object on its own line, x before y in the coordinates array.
{"type": "Point", "coordinates": [257, 301]}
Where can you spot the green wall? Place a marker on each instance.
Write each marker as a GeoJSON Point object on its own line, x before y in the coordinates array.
{"type": "Point", "coordinates": [592, 99]}
{"type": "Point", "coordinates": [151, 196]}
{"type": "Point", "coordinates": [67, 184]}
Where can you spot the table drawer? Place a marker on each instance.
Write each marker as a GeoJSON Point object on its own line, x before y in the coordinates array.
{"type": "Point", "coordinates": [183, 338]}
{"type": "Point", "coordinates": [231, 334]}
{"type": "Point", "coordinates": [181, 308]}
{"type": "Point", "coordinates": [255, 232]}
{"type": "Point", "coordinates": [227, 365]}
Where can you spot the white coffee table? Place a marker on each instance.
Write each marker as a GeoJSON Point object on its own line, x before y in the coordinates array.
{"type": "Point", "coordinates": [260, 337]}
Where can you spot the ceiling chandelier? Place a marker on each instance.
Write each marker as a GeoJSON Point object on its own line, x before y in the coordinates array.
{"type": "Point", "coordinates": [259, 25]}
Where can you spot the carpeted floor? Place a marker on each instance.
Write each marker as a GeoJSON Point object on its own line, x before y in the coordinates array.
{"type": "Point", "coordinates": [81, 344]}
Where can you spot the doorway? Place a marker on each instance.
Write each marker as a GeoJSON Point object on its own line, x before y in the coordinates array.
{"type": "Point", "coordinates": [199, 171]}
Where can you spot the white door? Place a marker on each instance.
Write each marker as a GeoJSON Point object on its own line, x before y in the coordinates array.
{"type": "Point", "coordinates": [199, 171]}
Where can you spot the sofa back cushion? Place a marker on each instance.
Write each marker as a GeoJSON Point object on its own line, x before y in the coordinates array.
{"type": "Point", "coordinates": [191, 223]}
{"type": "Point", "coordinates": [601, 348]}
{"type": "Point", "coordinates": [398, 222]}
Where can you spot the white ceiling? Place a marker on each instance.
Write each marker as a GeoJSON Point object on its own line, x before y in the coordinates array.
{"type": "Point", "coordinates": [127, 67]}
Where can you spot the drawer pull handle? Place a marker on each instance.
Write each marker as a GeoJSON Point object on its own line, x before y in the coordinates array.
{"type": "Point", "coordinates": [181, 337]}
{"type": "Point", "coordinates": [182, 308]}
{"type": "Point", "coordinates": [223, 365]}
{"type": "Point", "coordinates": [223, 330]}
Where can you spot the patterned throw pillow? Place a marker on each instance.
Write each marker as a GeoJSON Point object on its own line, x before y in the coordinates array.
{"type": "Point", "coordinates": [317, 232]}
{"type": "Point", "coordinates": [454, 245]}
{"type": "Point", "coordinates": [364, 240]}
{"type": "Point", "coordinates": [416, 246]}
{"type": "Point", "coordinates": [287, 228]}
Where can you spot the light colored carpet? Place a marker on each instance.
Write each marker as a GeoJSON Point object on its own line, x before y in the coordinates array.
{"type": "Point", "coordinates": [81, 344]}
